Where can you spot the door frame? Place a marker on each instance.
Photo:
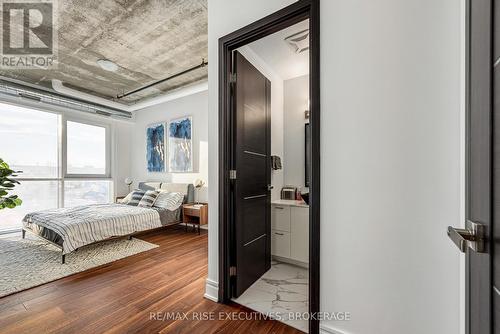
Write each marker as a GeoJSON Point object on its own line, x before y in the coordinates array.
{"type": "Point", "coordinates": [294, 13]}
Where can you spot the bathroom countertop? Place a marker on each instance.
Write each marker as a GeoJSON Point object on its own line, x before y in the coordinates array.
{"type": "Point", "coordinates": [289, 202]}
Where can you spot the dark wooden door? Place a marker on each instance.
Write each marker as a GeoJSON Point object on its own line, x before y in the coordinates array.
{"type": "Point", "coordinates": [495, 226]}
{"type": "Point", "coordinates": [479, 239]}
{"type": "Point", "coordinates": [481, 166]}
{"type": "Point", "coordinates": [252, 200]}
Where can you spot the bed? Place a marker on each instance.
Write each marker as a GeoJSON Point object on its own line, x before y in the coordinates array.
{"type": "Point", "coordinates": [72, 228]}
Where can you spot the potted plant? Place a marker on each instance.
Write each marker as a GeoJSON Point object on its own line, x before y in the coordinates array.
{"type": "Point", "coordinates": [7, 183]}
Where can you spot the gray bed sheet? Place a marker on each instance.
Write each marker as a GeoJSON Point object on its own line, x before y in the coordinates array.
{"type": "Point", "coordinates": [167, 218]}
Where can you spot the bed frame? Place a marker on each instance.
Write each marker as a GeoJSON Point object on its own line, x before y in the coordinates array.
{"type": "Point", "coordinates": [187, 189]}
{"type": "Point", "coordinates": [128, 236]}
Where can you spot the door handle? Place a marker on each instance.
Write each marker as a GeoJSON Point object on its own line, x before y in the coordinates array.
{"type": "Point", "coordinates": [471, 237]}
{"type": "Point", "coordinates": [270, 187]}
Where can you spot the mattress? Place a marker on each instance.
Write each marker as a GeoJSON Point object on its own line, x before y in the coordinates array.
{"type": "Point", "coordinates": [167, 218]}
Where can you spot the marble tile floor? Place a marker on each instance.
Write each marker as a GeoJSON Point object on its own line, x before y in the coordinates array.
{"type": "Point", "coordinates": [282, 290]}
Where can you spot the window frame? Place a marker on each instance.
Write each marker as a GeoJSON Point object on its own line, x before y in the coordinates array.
{"type": "Point", "coordinates": [64, 149]}
{"type": "Point", "coordinates": [62, 174]}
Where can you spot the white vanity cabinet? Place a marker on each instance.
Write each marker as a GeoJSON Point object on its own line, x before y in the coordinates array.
{"type": "Point", "coordinates": [290, 231]}
{"type": "Point", "coordinates": [281, 218]}
{"type": "Point", "coordinates": [280, 243]}
{"type": "Point", "coordinates": [299, 236]}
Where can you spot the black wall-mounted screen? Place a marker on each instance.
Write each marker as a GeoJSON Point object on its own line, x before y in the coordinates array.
{"type": "Point", "coordinates": [307, 156]}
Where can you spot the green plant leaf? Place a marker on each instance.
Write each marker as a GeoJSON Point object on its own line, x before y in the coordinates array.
{"type": "Point", "coordinates": [7, 184]}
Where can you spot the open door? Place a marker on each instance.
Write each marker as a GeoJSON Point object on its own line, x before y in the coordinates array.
{"type": "Point", "coordinates": [233, 175]}
{"type": "Point", "coordinates": [252, 174]}
{"type": "Point", "coordinates": [483, 178]}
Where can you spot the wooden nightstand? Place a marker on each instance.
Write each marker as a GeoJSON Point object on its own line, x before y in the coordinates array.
{"type": "Point", "coordinates": [195, 214]}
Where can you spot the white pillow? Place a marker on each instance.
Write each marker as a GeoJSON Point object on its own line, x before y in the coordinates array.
{"type": "Point", "coordinates": [148, 199]}
{"type": "Point", "coordinates": [169, 201]}
{"type": "Point", "coordinates": [126, 199]}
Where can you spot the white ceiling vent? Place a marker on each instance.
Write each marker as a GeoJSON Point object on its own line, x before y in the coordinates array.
{"type": "Point", "coordinates": [298, 42]}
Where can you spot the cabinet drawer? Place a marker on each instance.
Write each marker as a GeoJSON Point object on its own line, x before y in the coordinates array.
{"type": "Point", "coordinates": [280, 219]}
{"type": "Point", "coordinates": [280, 243]}
{"type": "Point", "coordinates": [192, 212]}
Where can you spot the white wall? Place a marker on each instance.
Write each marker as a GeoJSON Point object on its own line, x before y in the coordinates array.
{"type": "Point", "coordinates": [390, 159]}
{"type": "Point", "coordinates": [122, 157]}
{"type": "Point", "coordinates": [296, 98]}
{"type": "Point", "coordinates": [193, 105]}
{"type": "Point", "coordinates": [390, 89]}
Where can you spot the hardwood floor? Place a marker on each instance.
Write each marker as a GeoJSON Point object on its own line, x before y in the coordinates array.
{"type": "Point", "coordinates": [144, 293]}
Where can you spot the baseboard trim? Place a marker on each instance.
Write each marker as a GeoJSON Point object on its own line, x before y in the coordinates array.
{"type": "Point", "coordinates": [291, 261]}
{"type": "Point", "coordinates": [325, 329]}
{"type": "Point", "coordinates": [211, 290]}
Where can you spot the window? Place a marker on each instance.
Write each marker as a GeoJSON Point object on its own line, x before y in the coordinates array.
{"type": "Point", "coordinates": [86, 149]}
{"type": "Point", "coordinates": [30, 141]}
{"type": "Point", "coordinates": [36, 195]}
{"type": "Point", "coordinates": [87, 192]}
{"type": "Point", "coordinates": [57, 170]}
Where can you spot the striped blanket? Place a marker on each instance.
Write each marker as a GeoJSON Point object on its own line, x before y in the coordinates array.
{"type": "Point", "coordinates": [83, 225]}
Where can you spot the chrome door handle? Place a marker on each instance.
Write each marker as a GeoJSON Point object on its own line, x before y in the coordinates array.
{"type": "Point", "coordinates": [270, 187]}
{"type": "Point", "coordinates": [472, 237]}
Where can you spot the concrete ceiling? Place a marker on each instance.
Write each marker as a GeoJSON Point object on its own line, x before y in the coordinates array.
{"type": "Point", "coordinates": [148, 39]}
{"type": "Point", "coordinates": [276, 53]}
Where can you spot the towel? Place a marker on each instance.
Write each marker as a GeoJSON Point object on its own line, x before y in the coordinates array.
{"type": "Point", "coordinates": [275, 162]}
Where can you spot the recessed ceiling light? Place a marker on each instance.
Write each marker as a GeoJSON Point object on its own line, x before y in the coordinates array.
{"type": "Point", "coordinates": [107, 65]}
{"type": "Point", "coordinates": [298, 42]}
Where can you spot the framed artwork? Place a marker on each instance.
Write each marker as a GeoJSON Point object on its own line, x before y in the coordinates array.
{"type": "Point", "coordinates": [180, 147]}
{"type": "Point", "coordinates": [155, 147]}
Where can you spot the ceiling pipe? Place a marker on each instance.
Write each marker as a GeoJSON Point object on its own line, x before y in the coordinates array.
{"type": "Point", "coordinates": [59, 87]}
{"type": "Point", "coordinates": [11, 89]}
{"type": "Point", "coordinates": [203, 64]}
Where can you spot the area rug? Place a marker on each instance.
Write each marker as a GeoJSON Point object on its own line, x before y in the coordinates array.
{"type": "Point", "coordinates": [26, 263]}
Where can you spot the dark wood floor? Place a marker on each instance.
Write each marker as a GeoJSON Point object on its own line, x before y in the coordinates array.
{"type": "Point", "coordinates": [120, 297]}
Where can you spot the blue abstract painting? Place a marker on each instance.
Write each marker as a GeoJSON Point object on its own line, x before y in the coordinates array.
{"type": "Point", "coordinates": [180, 150]}
{"type": "Point", "coordinates": [155, 147]}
